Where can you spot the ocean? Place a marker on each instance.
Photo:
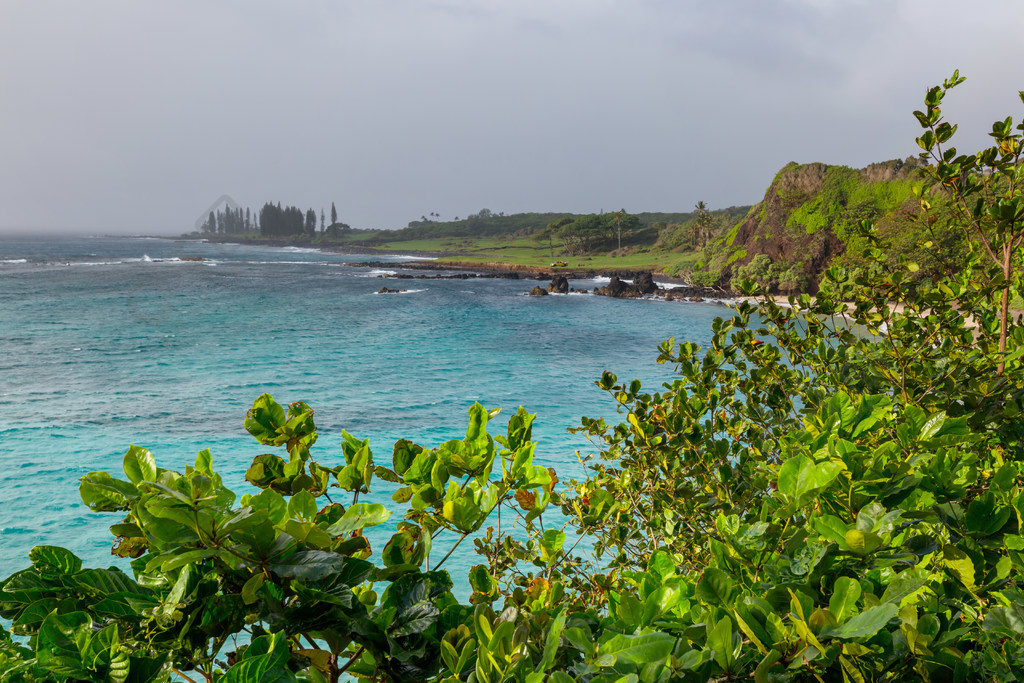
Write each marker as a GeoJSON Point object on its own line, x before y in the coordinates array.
{"type": "Point", "coordinates": [106, 342]}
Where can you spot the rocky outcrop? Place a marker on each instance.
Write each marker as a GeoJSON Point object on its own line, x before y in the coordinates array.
{"type": "Point", "coordinates": [807, 213]}
{"type": "Point", "coordinates": [385, 290]}
{"type": "Point", "coordinates": [559, 285]}
{"type": "Point", "coordinates": [643, 285]}
{"type": "Point", "coordinates": [538, 291]}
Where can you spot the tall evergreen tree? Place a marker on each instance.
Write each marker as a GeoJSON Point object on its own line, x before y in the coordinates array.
{"type": "Point", "coordinates": [310, 222]}
{"type": "Point", "coordinates": [334, 214]}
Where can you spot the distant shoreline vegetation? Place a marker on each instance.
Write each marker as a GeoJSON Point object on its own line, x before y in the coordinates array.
{"type": "Point", "coordinates": [806, 223]}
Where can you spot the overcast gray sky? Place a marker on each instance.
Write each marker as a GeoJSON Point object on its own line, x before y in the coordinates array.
{"type": "Point", "coordinates": [131, 116]}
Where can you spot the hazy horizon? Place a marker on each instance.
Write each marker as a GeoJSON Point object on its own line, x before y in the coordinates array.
{"type": "Point", "coordinates": [132, 118]}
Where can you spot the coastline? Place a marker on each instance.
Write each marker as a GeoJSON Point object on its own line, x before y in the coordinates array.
{"type": "Point", "coordinates": [441, 260]}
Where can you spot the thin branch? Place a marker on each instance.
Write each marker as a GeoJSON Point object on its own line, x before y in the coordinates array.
{"type": "Point", "coordinates": [352, 660]}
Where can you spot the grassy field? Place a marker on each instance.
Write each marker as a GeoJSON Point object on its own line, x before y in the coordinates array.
{"type": "Point", "coordinates": [525, 251]}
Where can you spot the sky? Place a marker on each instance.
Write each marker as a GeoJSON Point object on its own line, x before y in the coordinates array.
{"type": "Point", "coordinates": [131, 116]}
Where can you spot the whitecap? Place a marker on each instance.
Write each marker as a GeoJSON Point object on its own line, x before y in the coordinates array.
{"type": "Point", "coordinates": [286, 263]}
{"type": "Point", "coordinates": [15, 260]}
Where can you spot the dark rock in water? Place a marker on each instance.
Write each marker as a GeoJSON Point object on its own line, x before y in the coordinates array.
{"type": "Point", "coordinates": [192, 258]}
{"type": "Point", "coordinates": [538, 291]}
{"type": "Point", "coordinates": [559, 285]}
{"type": "Point", "coordinates": [615, 287]}
{"type": "Point", "coordinates": [385, 290]}
{"type": "Point", "coordinates": [696, 299]}
{"type": "Point", "coordinates": [643, 284]}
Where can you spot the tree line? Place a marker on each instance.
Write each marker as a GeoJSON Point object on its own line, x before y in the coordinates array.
{"type": "Point", "coordinates": [273, 220]}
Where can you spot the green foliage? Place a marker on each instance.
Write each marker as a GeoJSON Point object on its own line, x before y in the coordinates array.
{"type": "Point", "coordinates": [282, 567]}
{"type": "Point", "coordinates": [698, 228]}
{"type": "Point", "coordinates": [770, 276]}
{"type": "Point", "coordinates": [845, 199]}
{"type": "Point", "coordinates": [841, 498]}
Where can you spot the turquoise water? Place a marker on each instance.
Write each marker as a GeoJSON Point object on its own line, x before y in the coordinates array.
{"type": "Point", "coordinates": [106, 342]}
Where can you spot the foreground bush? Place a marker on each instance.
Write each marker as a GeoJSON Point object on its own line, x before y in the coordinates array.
{"type": "Point", "coordinates": [831, 491]}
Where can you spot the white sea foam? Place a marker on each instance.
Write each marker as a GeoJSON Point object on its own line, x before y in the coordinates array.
{"type": "Point", "coordinates": [14, 260]}
{"type": "Point", "coordinates": [287, 263]}
{"type": "Point", "coordinates": [377, 272]}
{"type": "Point", "coordinates": [301, 250]}
{"type": "Point", "coordinates": [600, 280]}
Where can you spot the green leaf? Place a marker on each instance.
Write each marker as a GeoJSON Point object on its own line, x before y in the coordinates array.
{"type": "Point", "coordinates": [480, 579]}
{"type": "Point", "coordinates": [800, 476]}
{"type": "Point", "coordinates": [359, 516]}
{"type": "Point", "coordinates": [862, 542]}
{"type": "Point", "coordinates": [252, 587]}
{"type": "Point", "coordinates": [716, 588]}
{"type": "Point", "coordinates": [308, 565]}
{"type": "Point", "coordinates": [264, 420]}
{"type": "Point", "coordinates": [845, 595]}
{"type": "Point", "coordinates": [985, 516]}
{"type": "Point", "coordinates": [720, 639]}
{"type": "Point", "coordinates": [641, 649]}
{"type": "Point", "coordinates": [102, 493]}
{"type": "Point", "coordinates": [551, 642]}
{"type": "Point", "coordinates": [476, 432]}
{"type": "Point", "coordinates": [51, 560]}
{"type": "Point", "coordinates": [303, 506]}
{"type": "Point", "coordinates": [58, 647]}
{"type": "Point", "coordinates": [204, 462]}
{"type": "Point", "coordinates": [264, 661]}
{"type": "Point", "coordinates": [959, 565]}
{"type": "Point", "coordinates": [177, 560]}
{"type": "Point", "coordinates": [904, 585]}
{"type": "Point", "coordinates": [629, 611]}
{"type": "Point", "coordinates": [550, 544]}
{"type": "Point", "coordinates": [865, 624]}
{"type": "Point", "coordinates": [139, 465]}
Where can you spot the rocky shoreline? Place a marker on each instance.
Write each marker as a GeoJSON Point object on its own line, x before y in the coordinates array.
{"type": "Point", "coordinates": [623, 284]}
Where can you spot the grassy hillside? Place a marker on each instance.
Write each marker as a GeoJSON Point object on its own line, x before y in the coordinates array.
{"type": "Point", "coordinates": [807, 221]}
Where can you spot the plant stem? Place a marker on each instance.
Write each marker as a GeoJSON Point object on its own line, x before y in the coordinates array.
{"type": "Point", "coordinates": [461, 539]}
{"type": "Point", "coordinates": [351, 661]}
